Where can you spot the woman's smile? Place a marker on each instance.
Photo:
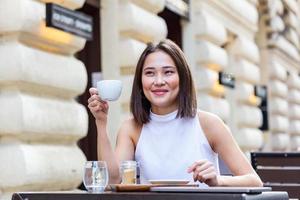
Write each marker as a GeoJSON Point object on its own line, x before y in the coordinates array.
{"type": "Point", "coordinates": [159, 92]}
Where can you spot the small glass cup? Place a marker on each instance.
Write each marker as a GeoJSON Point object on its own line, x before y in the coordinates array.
{"type": "Point", "coordinates": [95, 177]}
{"type": "Point", "coordinates": [128, 171]}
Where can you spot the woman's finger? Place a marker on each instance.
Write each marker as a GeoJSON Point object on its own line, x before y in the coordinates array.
{"type": "Point", "coordinates": [94, 103]}
{"type": "Point", "coordinates": [98, 106]}
{"type": "Point", "coordinates": [208, 176]}
{"type": "Point", "coordinates": [93, 91]}
{"type": "Point", "coordinates": [202, 167]}
{"type": "Point", "coordinates": [195, 165]}
{"type": "Point", "coordinates": [94, 97]}
{"type": "Point", "coordinates": [202, 176]}
{"type": "Point", "coordinates": [96, 109]}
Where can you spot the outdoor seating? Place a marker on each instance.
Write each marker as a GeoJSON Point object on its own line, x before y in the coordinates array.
{"type": "Point", "coordinates": [279, 170]}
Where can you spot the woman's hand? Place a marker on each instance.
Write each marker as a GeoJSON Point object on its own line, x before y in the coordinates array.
{"type": "Point", "coordinates": [98, 107]}
{"type": "Point", "coordinates": [205, 172]}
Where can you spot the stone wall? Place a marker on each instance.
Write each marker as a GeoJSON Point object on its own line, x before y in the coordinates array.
{"type": "Point", "coordinates": [278, 38]}
{"type": "Point", "coordinates": [40, 121]}
{"type": "Point", "coordinates": [224, 41]}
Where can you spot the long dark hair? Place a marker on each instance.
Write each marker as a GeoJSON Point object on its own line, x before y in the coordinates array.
{"type": "Point", "coordinates": [187, 103]}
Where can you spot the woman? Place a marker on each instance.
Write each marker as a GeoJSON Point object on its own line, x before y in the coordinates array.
{"type": "Point", "coordinates": [167, 135]}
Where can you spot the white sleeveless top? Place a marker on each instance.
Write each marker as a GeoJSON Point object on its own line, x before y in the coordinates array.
{"type": "Point", "coordinates": [168, 146]}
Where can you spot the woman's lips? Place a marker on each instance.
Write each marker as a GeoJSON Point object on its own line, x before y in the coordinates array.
{"type": "Point", "coordinates": [159, 92]}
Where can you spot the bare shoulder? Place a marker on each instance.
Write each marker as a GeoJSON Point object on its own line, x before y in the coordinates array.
{"type": "Point", "coordinates": [130, 126]}
{"type": "Point", "coordinates": [208, 120]}
{"type": "Point", "coordinates": [130, 129]}
{"type": "Point", "coordinates": [212, 126]}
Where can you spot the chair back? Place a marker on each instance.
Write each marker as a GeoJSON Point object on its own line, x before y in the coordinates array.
{"type": "Point", "coordinates": [279, 170]}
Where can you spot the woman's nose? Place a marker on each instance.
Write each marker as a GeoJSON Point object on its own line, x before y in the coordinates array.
{"type": "Point", "coordinates": [159, 80]}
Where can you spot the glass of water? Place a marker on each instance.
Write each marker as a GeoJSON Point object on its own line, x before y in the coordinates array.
{"type": "Point", "coordinates": [95, 177]}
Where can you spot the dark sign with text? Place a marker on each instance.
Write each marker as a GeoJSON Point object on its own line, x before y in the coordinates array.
{"type": "Point", "coordinates": [226, 79]}
{"type": "Point", "coordinates": [70, 21]}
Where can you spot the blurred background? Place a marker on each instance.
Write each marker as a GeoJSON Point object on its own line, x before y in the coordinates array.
{"type": "Point", "coordinates": [243, 54]}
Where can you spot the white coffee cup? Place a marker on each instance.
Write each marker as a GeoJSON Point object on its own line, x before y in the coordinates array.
{"type": "Point", "coordinates": [109, 90]}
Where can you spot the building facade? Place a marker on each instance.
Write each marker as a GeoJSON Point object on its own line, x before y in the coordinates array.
{"type": "Point", "coordinates": [234, 48]}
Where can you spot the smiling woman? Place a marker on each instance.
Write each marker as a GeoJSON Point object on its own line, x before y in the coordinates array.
{"type": "Point", "coordinates": [167, 136]}
{"type": "Point", "coordinates": [160, 82]}
{"type": "Point", "coordinates": [162, 71]}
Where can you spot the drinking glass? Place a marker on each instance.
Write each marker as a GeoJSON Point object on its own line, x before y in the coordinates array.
{"type": "Point", "coordinates": [128, 171]}
{"type": "Point", "coordinates": [95, 177]}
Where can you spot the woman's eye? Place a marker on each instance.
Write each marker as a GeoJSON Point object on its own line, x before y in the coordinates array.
{"type": "Point", "coordinates": [149, 73]}
{"type": "Point", "coordinates": [169, 72]}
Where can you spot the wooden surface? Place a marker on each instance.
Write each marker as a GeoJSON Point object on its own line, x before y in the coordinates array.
{"type": "Point", "coordinates": [279, 170]}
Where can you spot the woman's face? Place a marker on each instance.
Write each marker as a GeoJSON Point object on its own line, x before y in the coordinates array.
{"type": "Point", "coordinates": [160, 81]}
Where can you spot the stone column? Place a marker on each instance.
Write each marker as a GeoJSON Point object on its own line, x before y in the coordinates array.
{"type": "Point", "coordinates": [110, 58]}
{"type": "Point", "coordinates": [224, 41]}
{"type": "Point", "coordinates": [127, 25]}
{"type": "Point", "coordinates": [294, 111]}
{"type": "Point", "coordinates": [246, 116]}
{"type": "Point", "coordinates": [278, 39]}
{"type": "Point", "coordinates": [40, 121]}
{"type": "Point", "coordinates": [138, 25]}
{"type": "Point", "coordinates": [204, 36]}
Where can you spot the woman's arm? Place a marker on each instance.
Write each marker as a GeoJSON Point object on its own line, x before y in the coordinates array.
{"type": "Point", "coordinates": [124, 147]}
{"type": "Point", "coordinates": [105, 152]}
{"type": "Point", "coordinates": [223, 143]}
